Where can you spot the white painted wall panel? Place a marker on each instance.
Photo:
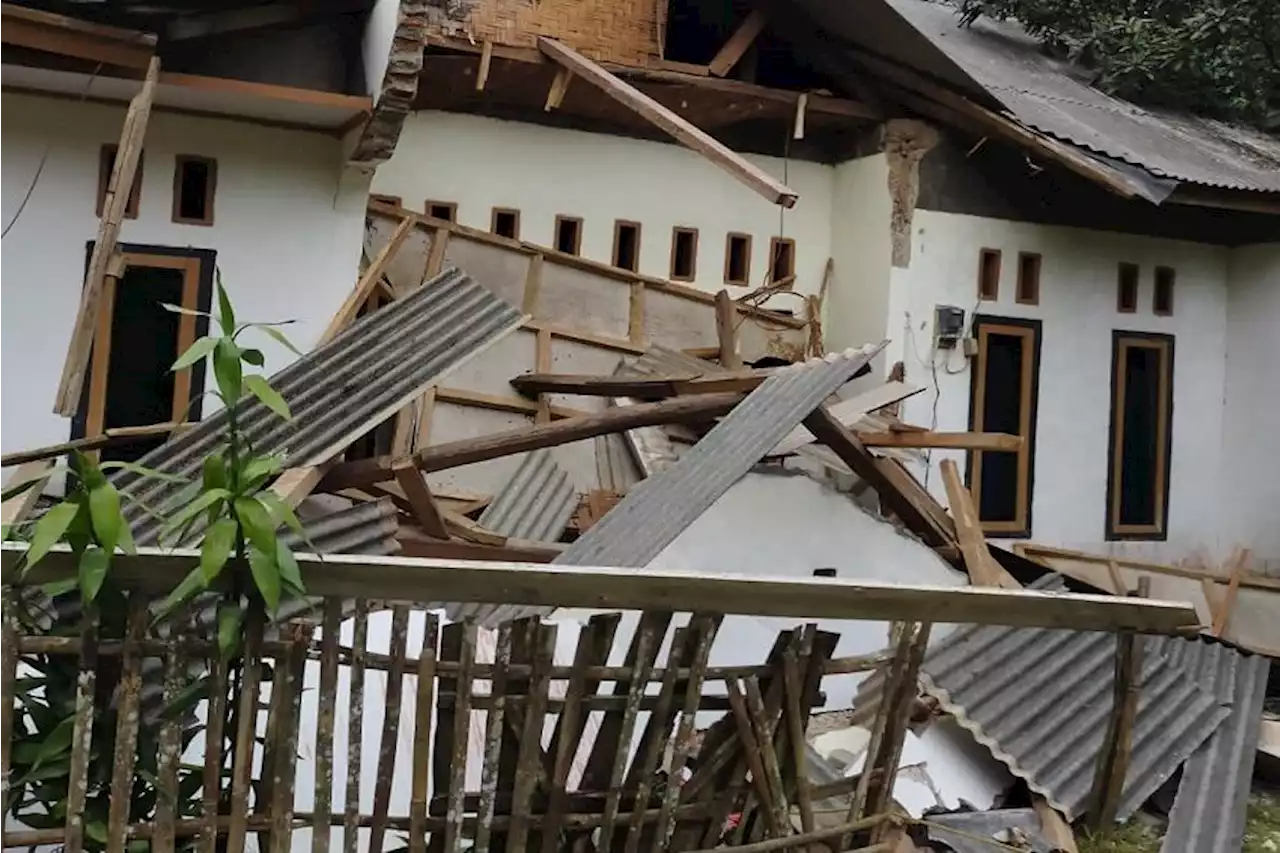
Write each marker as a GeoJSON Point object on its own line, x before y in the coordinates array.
{"type": "Point", "coordinates": [287, 233]}
{"type": "Point", "coordinates": [861, 250]}
{"type": "Point", "coordinates": [1078, 311]}
{"type": "Point", "coordinates": [482, 163]}
{"type": "Point", "coordinates": [375, 45]}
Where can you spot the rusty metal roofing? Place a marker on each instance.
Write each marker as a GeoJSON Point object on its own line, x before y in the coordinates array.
{"type": "Point", "coordinates": [342, 389]}
{"type": "Point", "coordinates": [1056, 98]}
{"type": "Point", "coordinates": [536, 504]}
{"type": "Point", "coordinates": [1208, 813]}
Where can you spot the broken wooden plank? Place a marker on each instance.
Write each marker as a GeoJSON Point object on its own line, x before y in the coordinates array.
{"type": "Point", "coordinates": [246, 731]}
{"type": "Point", "coordinates": [390, 725]}
{"type": "Point", "coordinates": [486, 59]}
{"type": "Point", "coordinates": [738, 44]}
{"type": "Point", "coordinates": [534, 712]}
{"type": "Point", "coordinates": [33, 475]}
{"type": "Point", "coordinates": [424, 711]}
{"type": "Point", "coordinates": [127, 719]}
{"type": "Point", "coordinates": [346, 313]}
{"type": "Point", "coordinates": [104, 246]}
{"type": "Point", "coordinates": [1222, 612]}
{"type": "Point", "coordinates": [646, 388]}
{"type": "Point", "coordinates": [109, 438]}
{"type": "Point", "coordinates": [996, 441]}
{"type": "Point", "coordinates": [684, 132]}
{"type": "Point", "coordinates": [461, 729]}
{"type": "Point", "coordinates": [466, 451]}
{"type": "Point", "coordinates": [82, 731]}
{"type": "Point", "coordinates": [418, 494]}
{"type": "Point", "coordinates": [983, 569]}
{"type": "Point", "coordinates": [559, 86]}
{"type": "Point", "coordinates": [1054, 828]}
{"type": "Point", "coordinates": [1113, 760]}
{"type": "Point", "coordinates": [331, 626]}
{"type": "Point", "coordinates": [355, 728]}
{"type": "Point", "coordinates": [295, 484]}
{"type": "Point", "coordinates": [603, 588]}
{"type": "Point", "coordinates": [849, 411]}
{"type": "Point", "coordinates": [727, 330]}
{"type": "Point", "coordinates": [493, 740]}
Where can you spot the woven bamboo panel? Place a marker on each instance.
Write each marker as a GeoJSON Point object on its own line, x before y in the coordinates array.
{"type": "Point", "coordinates": [623, 31]}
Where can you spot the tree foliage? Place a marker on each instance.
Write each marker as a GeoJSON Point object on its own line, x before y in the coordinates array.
{"type": "Point", "coordinates": [1219, 58]}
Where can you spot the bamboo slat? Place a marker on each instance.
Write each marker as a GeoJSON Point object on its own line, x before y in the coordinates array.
{"type": "Point", "coordinates": [213, 736]}
{"type": "Point", "coordinates": [530, 760]}
{"type": "Point", "coordinates": [331, 628]}
{"type": "Point", "coordinates": [461, 732]}
{"type": "Point", "coordinates": [82, 734]}
{"type": "Point", "coordinates": [127, 718]}
{"type": "Point", "coordinates": [291, 670]}
{"type": "Point", "coordinates": [390, 725]}
{"type": "Point", "coordinates": [493, 741]}
{"type": "Point", "coordinates": [355, 727]}
{"type": "Point", "coordinates": [170, 745]}
{"type": "Point", "coordinates": [246, 728]}
{"type": "Point", "coordinates": [424, 712]}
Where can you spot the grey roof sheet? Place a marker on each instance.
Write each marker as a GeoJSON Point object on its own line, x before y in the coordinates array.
{"type": "Point", "coordinates": [1209, 810]}
{"type": "Point", "coordinates": [344, 388]}
{"type": "Point", "coordinates": [536, 504]}
{"type": "Point", "coordinates": [367, 527]}
{"type": "Point", "coordinates": [1056, 98]}
{"type": "Point", "coordinates": [1039, 699]}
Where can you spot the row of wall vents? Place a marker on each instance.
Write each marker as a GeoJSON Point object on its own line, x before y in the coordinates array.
{"type": "Point", "coordinates": [195, 184]}
{"type": "Point", "coordinates": [1027, 286]}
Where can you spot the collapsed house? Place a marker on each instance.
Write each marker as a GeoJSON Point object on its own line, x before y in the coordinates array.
{"type": "Point", "coordinates": [913, 316]}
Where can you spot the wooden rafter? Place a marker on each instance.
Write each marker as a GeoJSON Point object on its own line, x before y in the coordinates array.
{"type": "Point", "coordinates": [738, 44]}
{"type": "Point", "coordinates": [684, 132]}
{"type": "Point", "coordinates": [983, 568]}
{"type": "Point", "coordinates": [59, 34]}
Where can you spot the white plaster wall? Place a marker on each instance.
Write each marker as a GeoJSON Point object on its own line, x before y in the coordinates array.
{"type": "Point", "coordinates": [482, 163]}
{"type": "Point", "coordinates": [861, 250]}
{"type": "Point", "coordinates": [288, 233]}
{"type": "Point", "coordinates": [1078, 310]}
{"type": "Point", "coordinates": [375, 45]}
{"type": "Point", "coordinates": [1250, 487]}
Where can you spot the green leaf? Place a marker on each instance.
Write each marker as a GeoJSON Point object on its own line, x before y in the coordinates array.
{"type": "Point", "coordinates": [253, 356]}
{"type": "Point", "coordinates": [228, 371]}
{"type": "Point", "coordinates": [214, 474]}
{"type": "Point", "coordinates": [191, 584]}
{"type": "Point", "coordinates": [290, 574]}
{"type": "Point", "coordinates": [270, 398]}
{"type": "Point", "coordinates": [185, 699]}
{"type": "Point", "coordinates": [85, 466]}
{"type": "Point", "coordinates": [258, 526]}
{"type": "Point", "coordinates": [226, 315]}
{"type": "Point", "coordinates": [230, 617]}
{"type": "Point", "coordinates": [197, 506]}
{"type": "Point", "coordinates": [61, 587]}
{"type": "Point", "coordinates": [49, 529]}
{"type": "Point", "coordinates": [58, 741]}
{"type": "Point", "coordinates": [258, 468]}
{"type": "Point", "coordinates": [126, 543]}
{"type": "Point", "coordinates": [266, 576]}
{"type": "Point", "coordinates": [94, 563]}
{"type": "Point", "coordinates": [282, 513]}
{"type": "Point", "coordinates": [142, 471]}
{"type": "Point", "coordinates": [281, 339]}
{"type": "Point", "coordinates": [104, 512]}
{"type": "Point", "coordinates": [49, 770]}
{"type": "Point", "coordinates": [96, 830]}
{"type": "Point", "coordinates": [178, 309]}
{"type": "Point", "coordinates": [196, 352]}
{"type": "Point", "coordinates": [219, 539]}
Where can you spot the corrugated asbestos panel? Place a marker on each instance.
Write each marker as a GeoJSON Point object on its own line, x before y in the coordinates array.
{"type": "Point", "coordinates": [650, 447]}
{"type": "Point", "coordinates": [1039, 699]}
{"type": "Point", "coordinates": [1055, 97]}
{"type": "Point", "coordinates": [536, 504]}
{"type": "Point", "coordinates": [1209, 810]}
{"type": "Point", "coordinates": [342, 389]}
{"type": "Point", "coordinates": [364, 528]}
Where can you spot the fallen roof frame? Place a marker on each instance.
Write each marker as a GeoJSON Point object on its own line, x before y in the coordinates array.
{"type": "Point", "coordinates": [409, 579]}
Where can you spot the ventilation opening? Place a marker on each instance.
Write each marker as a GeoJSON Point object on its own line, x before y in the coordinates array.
{"type": "Point", "coordinates": [782, 259]}
{"type": "Point", "coordinates": [1127, 289]}
{"type": "Point", "coordinates": [1028, 279]}
{"type": "Point", "coordinates": [989, 275]}
{"type": "Point", "coordinates": [446, 210]}
{"type": "Point", "coordinates": [626, 245]}
{"type": "Point", "coordinates": [1162, 303]}
{"type": "Point", "coordinates": [737, 259]}
{"type": "Point", "coordinates": [107, 162]}
{"type": "Point", "coordinates": [568, 235]}
{"type": "Point", "coordinates": [393, 200]}
{"type": "Point", "coordinates": [194, 180]}
{"type": "Point", "coordinates": [506, 223]}
{"type": "Point", "coordinates": [684, 253]}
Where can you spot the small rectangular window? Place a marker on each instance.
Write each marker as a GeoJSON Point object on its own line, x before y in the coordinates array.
{"type": "Point", "coordinates": [1127, 289]}
{"type": "Point", "coordinates": [446, 210]}
{"type": "Point", "coordinates": [107, 162]}
{"type": "Point", "coordinates": [737, 259]}
{"type": "Point", "coordinates": [626, 245]}
{"type": "Point", "coordinates": [782, 258]}
{"type": "Point", "coordinates": [506, 222]}
{"type": "Point", "coordinates": [1028, 292]}
{"type": "Point", "coordinates": [684, 253]}
{"type": "Point", "coordinates": [393, 200]}
{"type": "Point", "coordinates": [1162, 299]}
{"type": "Point", "coordinates": [195, 180]}
{"type": "Point", "coordinates": [1141, 435]}
{"type": "Point", "coordinates": [569, 235]}
{"type": "Point", "coordinates": [989, 275]}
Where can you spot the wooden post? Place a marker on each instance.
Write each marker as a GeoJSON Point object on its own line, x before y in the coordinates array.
{"type": "Point", "coordinates": [727, 332]}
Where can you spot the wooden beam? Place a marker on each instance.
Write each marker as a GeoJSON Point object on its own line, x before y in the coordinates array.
{"type": "Point", "coordinates": [415, 544]}
{"type": "Point", "coordinates": [486, 59]}
{"type": "Point", "coordinates": [110, 437]}
{"type": "Point", "coordinates": [849, 411]}
{"type": "Point", "coordinates": [406, 579]}
{"type": "Point", "coordinates": [419, 497]}
{"type": "Point", "coordinates": [264, 16]}
{"type": "Point", "coordinates": [294, 484]}
{"type": "Point", "coordinates": [945, 440]}
{"type": "Point", "coordinates": [368, 280]}
{"type": "Point", "coordinates": [59, 34]}
{"type": "Point", "coordinates": [727, 331]}
{"type": "Point", "coordinates": [684, 132]}
{"type": "Point", "coordinates": [1222, 611]}
{"type": "Point", "coordinates": [1043, 553]}
{"type": "Point", "coordinates": [647, 388]}
{"type": "Point", "coordinates": [113, 207]}
{"type": "Point", "coordinates": [802, 108]}
{"type": "Point", "coordinates": [559, 86]}
{"type": "Point", "coordinates": [18, 507]}
{"type": "Point", "coordinates": [1053, 826]}
{"type": "Point", "coordinates": [739, 43]}
{"type": "Point", "coordinates": [983, 568]}
{"type": "Point", "coordinates": [454, 453]}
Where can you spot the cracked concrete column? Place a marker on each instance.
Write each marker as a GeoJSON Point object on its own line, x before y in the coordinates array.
{"type": "Point", "coordinates": [906, 141]}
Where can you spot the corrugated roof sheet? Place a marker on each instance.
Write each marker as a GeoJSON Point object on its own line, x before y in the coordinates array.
{"type": "Point", "coordinates": [1039, 699]}
{"type": "Point", "coordinates": [536, 504]}
{"type": "Point", "coordinates": [367, 527]}
{"type": "Point", "coordinates": [344, 388]}
{"type": "Point", "coordinates": [1051, 96]}
{"type": "Point", "coordinates": [1209, 810]}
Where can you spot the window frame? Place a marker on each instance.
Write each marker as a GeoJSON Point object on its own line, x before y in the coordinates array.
{"type": "Point", "coordinates": [1121, 341]}
{"type": "Point", "coordinates": [1124, 267]}
{"type": "Point", "coordinates": [493, 221]}
{"type": "Point", "coordinates": [984, 324]}
{"type": "Point", "coordinates": [1165, 276]}
{"type": "Point", "coordinates": [210, 191]}
{"type": "Point", "coordinates": [1027, 287]}
{"type": "Point", "coordinates": [983, 254]}
{"type": "Point", "coordinates": [728, 255]}
{"type": "Point", "coordinates": [774, 243]}
{"type": "Point", "coordinates": [451, 206]}
{"type": "Point", "coordinates": [107, 154]}
{"type": "Point", "coordinates": [618, 225]}
{"type": "Point", "coordinates": [677, 230]}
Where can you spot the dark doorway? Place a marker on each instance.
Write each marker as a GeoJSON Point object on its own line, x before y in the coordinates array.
{"type": "Point", "coordinates": [136, 342]}
{"type": "Point", "coordinates": [1003, 399]}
